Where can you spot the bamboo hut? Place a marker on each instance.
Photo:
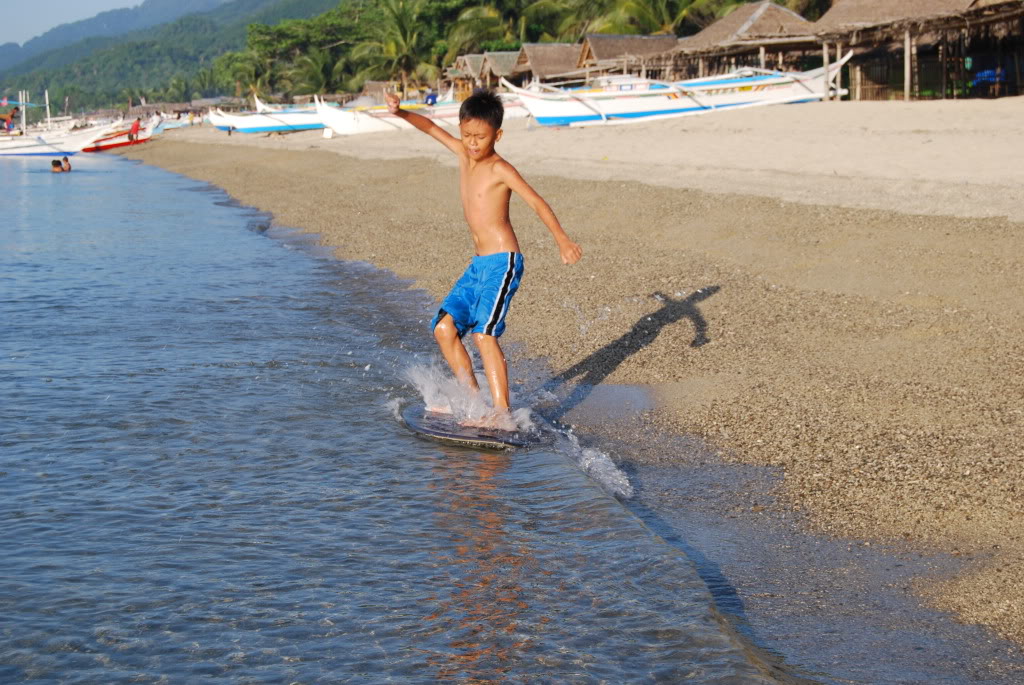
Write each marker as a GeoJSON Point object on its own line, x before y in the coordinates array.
{"type": "Point", "coordinates": [544, 61]}
{"type": "Point", "coordinates": [465, 74]}
{"type": "Point", "coordinates": [918, 49]}
{"type": "Point", "coordinates": [761, 34]}
{"type": "Point", "coordinates": [498, 65]}
{"type": "Point", "coordinates": [601, 53]}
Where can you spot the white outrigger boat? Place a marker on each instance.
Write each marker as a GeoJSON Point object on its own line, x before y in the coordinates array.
{"type": "Point", "coordinates": [266, 122]}
{"type": "Point", "coordinates": [51, 144]}
{"type": "Point", "coordinates": [628, 99]}
{"type": "Point", "coordinates": [349, 121]}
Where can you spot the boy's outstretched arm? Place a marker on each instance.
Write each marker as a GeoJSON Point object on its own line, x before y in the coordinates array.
{"type": "Point", "coordinates": [424, 124]}
{"type": "Point", "coordinates": [567, 249]}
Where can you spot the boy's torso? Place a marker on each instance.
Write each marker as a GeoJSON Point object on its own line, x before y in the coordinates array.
{"type": "Point", "coordinates": [485, 199]}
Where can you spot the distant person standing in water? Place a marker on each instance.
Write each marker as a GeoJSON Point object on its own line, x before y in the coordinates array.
{"type": "Point", "coordinates": [133, 133]}
{"type": "Point", "coordinates": [56, 167]}
{"type": "Point", "coordinates": [65, 165]}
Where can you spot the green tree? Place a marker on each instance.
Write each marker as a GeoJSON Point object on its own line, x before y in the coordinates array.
{"type": "Point", "coordinates": [178, 89]}
{"type": "Point", "coordinates": [318, 71]}
{"type": "Point", "coordinates": [399, 49]}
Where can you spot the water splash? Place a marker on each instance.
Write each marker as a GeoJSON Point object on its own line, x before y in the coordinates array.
{"type": "Point", "coordinates": [441, 392]}
{"type": "Point", "coordinates": [600, 467]}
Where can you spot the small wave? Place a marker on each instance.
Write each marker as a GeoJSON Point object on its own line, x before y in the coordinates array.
{"type": "Point", "coordinates": [600, 467]}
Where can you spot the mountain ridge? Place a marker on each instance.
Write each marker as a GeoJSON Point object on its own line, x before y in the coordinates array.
{"type": "Point", "coordinates": [110, 23]}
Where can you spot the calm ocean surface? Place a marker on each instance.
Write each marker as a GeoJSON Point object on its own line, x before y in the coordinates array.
{"type": "Point", "coordinates": [202, 475]}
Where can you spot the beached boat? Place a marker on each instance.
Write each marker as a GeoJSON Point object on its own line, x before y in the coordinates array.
{"type": "Point", "coordinates": [60, 144]}
{"type": "Point", "coordinates": [349, 121]}
{"type": "Point", "coordinates": [266, 122]}
{"type": "Point", "coordinates": [628, 99]}
{"type": "Point", "coordinates": [117, 136]}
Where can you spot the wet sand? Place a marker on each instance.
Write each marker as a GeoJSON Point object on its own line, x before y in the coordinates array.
{"type": "Point", "coordinates": [854, 317]}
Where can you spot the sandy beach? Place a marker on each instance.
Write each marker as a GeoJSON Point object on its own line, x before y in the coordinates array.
{"type": "Point", "coordinates": [833, 289]}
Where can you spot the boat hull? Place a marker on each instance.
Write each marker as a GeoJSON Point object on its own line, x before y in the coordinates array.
{"type": "Point", "coordinates": [276, 122]}
{"type": "Point", "coordinates": [60, 145]}
{"type": "Point", "coordinates": [632, 100]}
{"type": "Point", "coordinates": [347, 122]}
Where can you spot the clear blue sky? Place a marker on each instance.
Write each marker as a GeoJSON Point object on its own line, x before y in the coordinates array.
{"type": "Point", "coordinates": [23, 20]}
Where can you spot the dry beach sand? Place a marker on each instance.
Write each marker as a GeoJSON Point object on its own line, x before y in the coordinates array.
{"type": "Point", "coordinates": [834, 289]}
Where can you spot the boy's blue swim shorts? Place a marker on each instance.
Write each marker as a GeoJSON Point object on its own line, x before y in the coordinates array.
{"type": "Point", "coordinates": [478, 302]}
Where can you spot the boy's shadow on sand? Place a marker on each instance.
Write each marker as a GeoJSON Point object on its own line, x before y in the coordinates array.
{"type": "Point", "coordinates": [595, 368]}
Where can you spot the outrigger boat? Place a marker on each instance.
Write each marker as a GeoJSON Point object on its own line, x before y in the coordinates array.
{"type": "Point", "coordinates": [266, 122]}
{"type": "Point", "coordinates": [349, 121]}
{"type": "Point", "coordinates": [117, 136]}
{"type": "Point", "coordinates": [50, 145]}
{"type": "Point", "coordinates": [628, 99]}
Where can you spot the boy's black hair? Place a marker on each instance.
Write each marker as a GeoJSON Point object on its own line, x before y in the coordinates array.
{"type": "Point", "coordinates": [56, 163]}
{"type": "Point", "coordinates": [485, 106]}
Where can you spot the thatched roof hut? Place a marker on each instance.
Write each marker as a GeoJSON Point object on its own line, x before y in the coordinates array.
{"type": "Point", "coordinates": [545, 60]}
{"type": "Point", "coordinates": [849, 15]}
{"type": "Point", "coordinates": [603, 49]}
{"type": "Point", "coordinates": [852, 18]}
{"type": "Point", "coordinates": [942, 32]}
{"type": "Point", "coordinates": [749, 25]}
{"type": "Point", "coordinates": [467, 67]}
{"type": "Point", "coordinates": [499, 64]}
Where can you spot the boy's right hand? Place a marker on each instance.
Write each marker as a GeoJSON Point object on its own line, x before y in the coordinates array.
{"type": "Point", "coordinates": [393, 101]}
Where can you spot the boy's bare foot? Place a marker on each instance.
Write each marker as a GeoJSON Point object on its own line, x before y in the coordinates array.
{"type": "Point", "coordinates": [441, 409]}
{"type": "Point", "coordinates": [499, 419]}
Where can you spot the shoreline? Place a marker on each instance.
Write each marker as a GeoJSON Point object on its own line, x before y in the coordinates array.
{"type": "Point", "coordinates": [872, 355]}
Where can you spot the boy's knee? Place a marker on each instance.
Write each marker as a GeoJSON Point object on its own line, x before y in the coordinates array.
{"type": "Point", "coordinates": [445, 330]}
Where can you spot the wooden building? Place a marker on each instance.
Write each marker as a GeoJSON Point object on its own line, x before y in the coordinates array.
{"type": "Point", "coordinates": [465, 74]}
{"type": "Point", "coordinates": [498, 65]}
{"type": "Point", "coordinates": [604, 53]}
{"type": "Point", "coordinates": [545, 61]}
{"type": "Point", "coordinates": [918, 49]}
{"type": "Point", "coordinates": [761, 34]}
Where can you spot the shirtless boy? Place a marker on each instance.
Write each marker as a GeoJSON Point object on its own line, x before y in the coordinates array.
{"type": "Point", "coordinates": [479, 300]}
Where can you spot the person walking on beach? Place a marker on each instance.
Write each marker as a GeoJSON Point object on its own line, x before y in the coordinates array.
{"type": "Point", "coordinates": [133, 133]}
{"type": "Point", "coordinates": [479, 300]}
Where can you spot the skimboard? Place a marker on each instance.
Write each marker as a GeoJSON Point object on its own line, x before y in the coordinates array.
{"type": "Point", "coordinates": [444, 428]}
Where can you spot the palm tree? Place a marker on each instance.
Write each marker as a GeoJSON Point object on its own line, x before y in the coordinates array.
{"type": "Point", "coordinates": [645, 17]}
{"type": "Point", "coordinates": [572, 19]}
{"type": "Point", "coordinates": [399, 49]}
{"type": "Point", "coordinates": [249, 71]}
{"type": "Point", "coordinates": [177, 89]}
{"type": "Point", "coordinates": [205, 83]}
{"type": "Point", "coordinates": [317, 71]}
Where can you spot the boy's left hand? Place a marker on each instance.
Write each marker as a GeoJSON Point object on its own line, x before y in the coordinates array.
{"type": "Point", "coordinates": [570, 251]}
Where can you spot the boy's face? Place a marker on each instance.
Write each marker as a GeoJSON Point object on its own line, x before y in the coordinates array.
{"type": "Point", "coordinates": [478, 137]}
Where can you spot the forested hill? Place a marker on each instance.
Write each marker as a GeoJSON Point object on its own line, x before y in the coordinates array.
{"type": "Point", "coordinates": [95, 71]}
{"type": "Point", "coordinates": [111, 23]}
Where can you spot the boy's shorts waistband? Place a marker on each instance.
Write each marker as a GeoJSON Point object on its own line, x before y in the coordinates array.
{"type": "Point", "coordinates": [494, 255]}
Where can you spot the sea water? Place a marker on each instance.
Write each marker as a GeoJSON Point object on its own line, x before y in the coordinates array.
{"type": "Point", "coordinates": [202, 475]}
